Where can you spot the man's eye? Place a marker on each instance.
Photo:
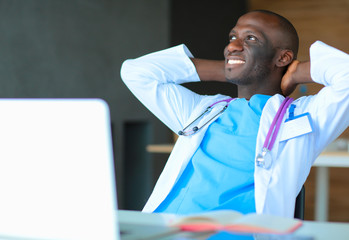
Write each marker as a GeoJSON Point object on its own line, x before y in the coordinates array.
{"type": "Point", "coordinates": [232, 38]}
{"type": "Point", "coordinates": [251, 38]}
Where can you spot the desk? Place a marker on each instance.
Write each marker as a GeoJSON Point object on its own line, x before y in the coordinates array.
{"type": "Point", "coordinates": [323, 162]}
{"type": "Point", "coordinates": [160, 148]}
{"type": "Point", "coordinates": [317, 230]}
{"type": "Point", "coordinates": [324, 230]}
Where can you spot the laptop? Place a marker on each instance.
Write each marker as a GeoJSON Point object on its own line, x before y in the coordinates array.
{"type": "Point", "coordinates": [57, 176]}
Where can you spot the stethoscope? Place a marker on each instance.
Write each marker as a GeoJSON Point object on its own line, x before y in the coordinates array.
{"type": "Point", "coordinates": [185, 132]}
{"type": "Point", "coordinates": [263, 159]}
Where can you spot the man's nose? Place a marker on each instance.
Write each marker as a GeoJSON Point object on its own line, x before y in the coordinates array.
{"type": "Point", "coordinates": [235, 46]}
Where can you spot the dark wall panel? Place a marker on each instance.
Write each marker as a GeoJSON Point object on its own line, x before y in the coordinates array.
{"type": "Point", "coordinates": [74, 49]}
{"type": "Point", "coordinates": [204, 25]}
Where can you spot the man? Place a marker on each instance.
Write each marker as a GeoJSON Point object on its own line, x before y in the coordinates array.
{"type": "Point", "coordinates": [253, 153]}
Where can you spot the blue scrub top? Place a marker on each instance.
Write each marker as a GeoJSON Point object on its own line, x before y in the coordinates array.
{"type": "Point", "coordinates": [220, 174]}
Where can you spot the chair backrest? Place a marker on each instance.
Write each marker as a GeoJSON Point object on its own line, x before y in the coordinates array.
{"type": "Point", "coordinates": [300, 205]}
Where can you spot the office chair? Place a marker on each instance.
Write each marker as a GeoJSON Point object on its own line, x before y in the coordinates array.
{"type": "Point", "coordinates": [300, 205]}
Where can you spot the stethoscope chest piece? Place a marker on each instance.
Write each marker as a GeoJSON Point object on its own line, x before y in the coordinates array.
{"type": "Point", "coordinates": [264, 159]}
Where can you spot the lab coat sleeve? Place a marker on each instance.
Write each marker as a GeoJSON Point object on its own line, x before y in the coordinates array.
{"type": "Point", "coordinates": [330, 107]}
{"type": "Point", "coordinates": [154, 79]}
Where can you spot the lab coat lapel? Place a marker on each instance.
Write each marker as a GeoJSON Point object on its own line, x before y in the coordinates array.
{"type": "Point", "coordinates": [192, 142]}
{"type": "Point", "coordinates": [262, 176]}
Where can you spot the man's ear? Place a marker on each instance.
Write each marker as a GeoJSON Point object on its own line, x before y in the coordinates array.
{"type": "Point", "coordinates": [285, 58]}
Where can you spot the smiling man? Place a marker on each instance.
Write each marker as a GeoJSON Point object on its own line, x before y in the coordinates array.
{"type": "Point", "coordinates": [252, 153]}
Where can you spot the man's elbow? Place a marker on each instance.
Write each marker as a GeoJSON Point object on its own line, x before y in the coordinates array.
{"type": "Point", "coordinates": [126, 70]}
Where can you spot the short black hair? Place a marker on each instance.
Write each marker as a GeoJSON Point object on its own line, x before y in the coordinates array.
{"type": "Point", "coordinates": [288, 29]}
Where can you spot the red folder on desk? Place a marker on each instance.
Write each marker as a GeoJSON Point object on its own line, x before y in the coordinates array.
{"type": "Point", "coordinates": [237, 222]}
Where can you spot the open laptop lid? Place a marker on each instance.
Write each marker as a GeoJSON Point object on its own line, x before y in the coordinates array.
{"type": "Point", "coordinates": [56, 170]}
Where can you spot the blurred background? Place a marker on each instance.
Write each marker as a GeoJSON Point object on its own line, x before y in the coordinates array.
{"type": "Point", "coordinates": [75, 48]}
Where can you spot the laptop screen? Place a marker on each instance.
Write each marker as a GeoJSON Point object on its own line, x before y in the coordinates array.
{"type": "Point", "coordinates": [56, 170]}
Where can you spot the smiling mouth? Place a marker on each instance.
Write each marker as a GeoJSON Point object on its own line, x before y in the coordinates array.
{"type": "Point", "coordinates": [235, 61]}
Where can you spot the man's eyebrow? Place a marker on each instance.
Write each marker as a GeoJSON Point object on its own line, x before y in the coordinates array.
{"type": "Point", "coordinates": [245, 31]}
{"type": "Point", "coordinates": [232, 31]}
{"type": "Point", "coordinates": [253, 32]}
{"type": "Point", "coordinates": [250, 31]}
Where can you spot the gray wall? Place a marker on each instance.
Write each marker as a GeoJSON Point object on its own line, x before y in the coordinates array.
{"type": "Point", "coordinates": [74, 49]}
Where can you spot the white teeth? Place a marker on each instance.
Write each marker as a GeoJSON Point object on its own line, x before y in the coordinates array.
{"type": "Point", "coordinates": [234, 61]}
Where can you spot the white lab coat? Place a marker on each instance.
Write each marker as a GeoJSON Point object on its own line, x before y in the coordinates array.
{"type": "Point", "coordinates": [154, 79]}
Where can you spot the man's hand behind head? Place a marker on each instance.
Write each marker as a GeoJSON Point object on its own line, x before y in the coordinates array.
{"type": "Point", "coordinates": [297, 73]}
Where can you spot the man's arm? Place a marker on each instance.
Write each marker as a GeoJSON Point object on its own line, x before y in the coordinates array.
{"type": "Point", "coordinates": [209, 70]}
{"type": "Point", "coordinates": [155, 80]}
{"type": "Point", "coordinates": [328, 108]}
{"type": "Point", "coordinates": [297, 73]}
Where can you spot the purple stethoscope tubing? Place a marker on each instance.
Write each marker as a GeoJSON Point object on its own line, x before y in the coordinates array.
{"type": "Point", "coordinates": [276, 124]}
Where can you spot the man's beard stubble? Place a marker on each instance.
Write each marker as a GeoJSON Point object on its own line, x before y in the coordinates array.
{"type": "Point", "coordinates": [258, 75]}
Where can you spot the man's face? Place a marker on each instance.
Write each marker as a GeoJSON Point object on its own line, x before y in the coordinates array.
{"type": "Point", "coordinates": [249, 56]}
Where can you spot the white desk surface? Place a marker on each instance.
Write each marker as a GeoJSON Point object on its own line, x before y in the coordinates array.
{"type": "Point", "coordinates": [324, 230]}
{"type": "Point", "coordinates": [332, 159]}
{"type": "Point", "coordinates": [317, 230]}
